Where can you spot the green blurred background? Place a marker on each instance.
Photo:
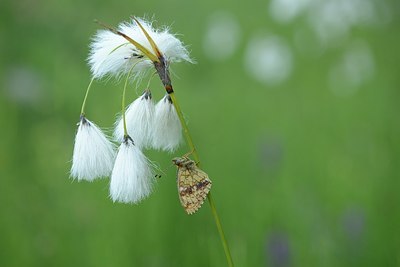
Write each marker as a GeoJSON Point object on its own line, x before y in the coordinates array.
{"type": "Point", "coordinates": [294, 108]}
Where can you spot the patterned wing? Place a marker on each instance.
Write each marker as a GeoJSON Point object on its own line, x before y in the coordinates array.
{"type": "Point", "coordinates": [193, 187]}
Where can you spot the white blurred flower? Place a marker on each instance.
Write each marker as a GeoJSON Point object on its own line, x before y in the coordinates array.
{"type": "Point", "coordinates": [113, 54]}
{"type": "Point", "coordinates": [93, 155]}
{"type": "Point", "coordinates": [269, 59]}
{"type": "Point", "coordinates": [222, 36]}
{"type": "Point", "coordinates": [132, 176]}
{"type": "Point", "coordinates": [167, 130]}
{"type": "Point", "coordinates": [139, 121]}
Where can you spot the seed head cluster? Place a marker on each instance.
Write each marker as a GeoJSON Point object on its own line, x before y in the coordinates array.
{"type": "Point", "coordinates": [144, 124]}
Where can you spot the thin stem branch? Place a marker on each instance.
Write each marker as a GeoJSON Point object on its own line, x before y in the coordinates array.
{"type": "Point", "coordinates": [123, 104]}
{"type": "Point", "coordinates": [190, 143]}
{"type": "Point", "coordinates": [151, 78]}
{"type": "Point", "coordinates": [86, 96]}
{"type": "Point", "coordinates": [123, 98]}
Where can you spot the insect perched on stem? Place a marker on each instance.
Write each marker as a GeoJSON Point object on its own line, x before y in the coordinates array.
{"type": "Point", "coordinates": [193, 184]}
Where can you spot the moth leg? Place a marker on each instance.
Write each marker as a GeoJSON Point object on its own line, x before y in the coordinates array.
{"type": "Point", "coordinates": [189, 153]}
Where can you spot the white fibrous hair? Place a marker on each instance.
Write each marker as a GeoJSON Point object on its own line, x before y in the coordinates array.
{"type": "Point", "coordinates": [139, 121]}
{"type": "Point", "coordinates": [167, 130]}
{"type": "Point", "coordinates": [132, 176]}
{"type": "Point", "coordinates": [93, 155]}
{"type": "Point", "coordinates": [112, 54]}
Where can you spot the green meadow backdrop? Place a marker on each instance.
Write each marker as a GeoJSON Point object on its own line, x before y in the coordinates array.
{"type": "Point", "coordinates": [293, 106]}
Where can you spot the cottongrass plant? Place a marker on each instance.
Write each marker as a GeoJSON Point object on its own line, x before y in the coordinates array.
{"type": "Point", "coordinates": [167, 130]}
{"type": "Point", "coordinates": [114, 53]}
{"type": "Point", "coordinates": [93, 153]}
{"type": "Point", "coordinates": [132, 177]}
{"type": "Point", "coordinates": [139, 121]}
{"type": "Point", "coordinates": [134, 49]}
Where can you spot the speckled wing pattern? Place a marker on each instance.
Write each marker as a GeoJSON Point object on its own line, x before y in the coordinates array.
{"type": "Point", "coordinates": [193, 186]}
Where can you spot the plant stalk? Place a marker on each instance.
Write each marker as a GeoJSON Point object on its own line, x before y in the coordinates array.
{"type": "Point", "coordinates": [190, 143]}
{"type": "Point", "coordinates": [86, 96]}
{"type": "Point", "coordinates": [123, 104]}
{"type": "Point", "coordinates": [123, 100]}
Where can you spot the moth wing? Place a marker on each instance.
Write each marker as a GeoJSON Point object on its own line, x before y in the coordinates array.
{"type": "Point", "coordinates": [193, 187]}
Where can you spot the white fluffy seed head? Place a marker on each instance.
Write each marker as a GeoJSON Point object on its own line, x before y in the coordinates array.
{"type": "Point", "coordinates": [93, 155]}
{"type": "Point", "coordinates": [132, 176]}
{"type": "Point", "coordinates": [111, 54]}
{"type": "Point", "coordinates": [167, 130]}
{"type": "Point", "coordinates": [139, 121]}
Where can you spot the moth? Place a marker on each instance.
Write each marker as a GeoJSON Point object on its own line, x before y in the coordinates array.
{"type": "Point", "coordinates": [193, 184]}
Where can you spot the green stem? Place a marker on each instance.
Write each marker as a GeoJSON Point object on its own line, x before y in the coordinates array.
{"type": "Point", "coordinates": [220, 230]}
{"type": "Point", "coordinates": [190, 143]}
{"type": "Point", "coordinates": [187, 135]}
{"type": "Point", "coordinates": [123, 104]}
{"type": "Point", "coordinates": [86, 96]}
{"type": "Point", "coordinates": [91, 81]}
{"type": "Point", "coordinates": [123, 98]}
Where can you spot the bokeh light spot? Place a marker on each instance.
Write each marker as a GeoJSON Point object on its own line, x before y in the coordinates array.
{"type": "Point", "coordinates": [222, 36]}
{"type": "Point", "coordinates": [268, 59]}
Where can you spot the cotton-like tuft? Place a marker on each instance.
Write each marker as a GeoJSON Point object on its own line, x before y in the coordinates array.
{"type": "Point", "coordinates": [139, 121]}
{"type": "Point", "coordinates": [132, 176]}
{"type": "Point", "coordinates": [167, 130]}
{"type": "Point", "coordinates": [111, 54]}
{"type": "Point", "coordinates": [93, 155]}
